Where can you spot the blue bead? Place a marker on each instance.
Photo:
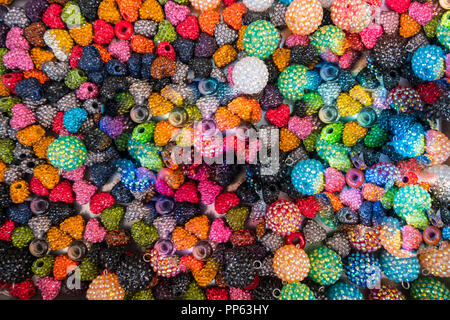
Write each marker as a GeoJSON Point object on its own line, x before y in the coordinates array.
{"type": "Point", "coordinates": [121, 193]}
{"type": "Point", "coordinates": [20, 213]}
{"type": "Point", "coordinates": [116, 68]}
{"type": "Point", "coordinates": [329, 72]}
{"type": "Point", "coordinates": [365, 213]}
{"type": "Point", "coordinates": [147, 61]}
{"type": "Point", "coordinates": [134, 65]}
{"type": "Point", "coordinates": [73, 119]}
{"type": "Point", "coordinates": [184, 49]}
{"type": "Point", "coordinates": [90, 60]}
{"type": "Point", "coordinates": [97, 77]}
{"type": "Point", "coordinates": [101, 173]}
{"type": "Point", "coordinates": [30, 88]}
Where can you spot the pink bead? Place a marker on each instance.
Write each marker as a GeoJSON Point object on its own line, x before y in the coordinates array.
{"type": "Point", "coordinates": [22, 117]}
{"type": "Point", "coordinates": [352, 198]}
{"type": "Point", "coordinates": [219, 231]}
{"type": "Point", "coordinates": [16, 40]}
{"type": "Point", "coordinates": [209, 190]}
{"type": "Point", "coordinates": [230, 74]}
{"type": "Point", "coordinates": [120, 50]}
{"type": "Point", "coordinates": [162, 187]}
{"type": "Point", "coordinates": [87, 90]}
{"type": "Point", "coordinates": [18, 59]}
{"type": "Point", "coordinates": [74, 175]}
{"type": "Point", "coordinates": [334, 180]}
{"type": "Point", "coordinates": [370, 35]}
{"type": "Point", "coordinates": [84, 191]}
{"type": "Point", "coordinates": [412, 238]}
{"type": "Point", "coordinates": [296, 40]}
{"type": "Point", "coordinates": [390, 21]}
{"type": "Point", "coordinates": [447, 65]}
{"type": "Point", "coordinates": [49, 287]}
{"type": "Point", "coordinates": [347, 60]}
{"type": "Point", "coordinates": [176, 13]}
{"type": "Point", "coordinates": [202, 172]}
{"type": "Point", "coordinates": [301, 127]}
{"type": "Point", "coordinates": [422, 13]}
{"type": "Point", "coordinates": [240, 294]}
{"type": "Point", "coordinates": [94, 231]}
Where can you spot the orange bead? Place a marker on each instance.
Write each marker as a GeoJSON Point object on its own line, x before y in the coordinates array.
{"type": "Point", "coordinates": [408, 26]}
{"type": "Point", "coordinates": [151, 10]}
{"type": "Point", "coordinates": [3, 168]}
{"type": "Point", "coordinates": [164, 132]}
{"type": "Point", "coordinates": [82, 35]}
{"type": "Point", "coordinates": [42, 77]}
{"type": "Point", "coordinates": [39, 56]}
{"type": "Point", "coordinates": [73, 226]}
{"type": "Point", "coordinates": [199, 226]}
{"type": "Point", "coordinates": [224, 56]}
{"type": "Point", "coordinates": [207, 274]}
{"type": "Point", "coordinates": [182, 239]}
{"type": "Point", "coordinates": [208, 20]}
{"type": "Point", "coordinates": [47, 175]}
{"type": "Point", "coordinates": [282, 58]}
{"type": "Point", "coordinates": [175, 179]}
{"type": "Point", "coordinates": [40, 148]}
{"type": "Point", "coordinates": [30, 135]}
{"type": "Point", "coordinates": [4, 91]}
{"type": "Point", "coordinates": [240, 40]}
{"type": "Point", "coordinates": [288, 140]}
{"type": "Point", "coordinates": [104, 53]}
{"type": "Point", "coordinates": [63, 266]}
{"type": "Point", "coordinates": [225, 119]}
{"type": "Point", "coordinates": [291, 264]}
{"type": "Point", "coordinates": [188, 262]}
{"type": "Point", "coordinates": [129, 9]}
{"type": "Point", "coordinates": [141, 44]}
{"type": "Point", "coordinates": [159, 105]}
{"type": "Point", "coordinates": [335, 201]}
{"type": "Point", "coordinates": [243, 107]}
{"type": "Point", "coordinates": [19, 191]}
{"type": "Point", "coordinates": [232, 15]}
{"type": "Point", "coordinates": [57, 239]}
{"type": "Point", "coordinates": [107, 10]}
{"type": "Point", "coordinates": [105, 287]}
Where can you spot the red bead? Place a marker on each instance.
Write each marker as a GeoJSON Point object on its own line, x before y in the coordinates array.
{"type": "Point", "coordinates": [58, 122]}
{"type": "Point", "coordinates": [225, 202]}
{"type": "Point", "coordinates": [100, 202]}
{"type": "Point", "coordinates": [37, 188]}
{"type": "Point", "coordinates": [165, 49]}
{"type": "Point", "coordinates": [296, 238]}
{"type": "Point", "coordinates": [123, 30]}
{"type": "Point", "coordinates": [253, 285]}
{"type": "Point", "coordinates": [103, 32]}
{"type": "Point", "coordinates": [308, 206]}
{"type": "Point", "coordinates": [6, 230]}
{"type": "Point", "coordinates": [189, 28]}
{"type": "Point", "coordinates": [62, 193]}
{"type": "Point", "coordinates": [428, 92]}
{"type": "Point", "coordinates": [75, 56]}
{"type": "Point", "coordinates": [10, 80]}
{"type": "Point", "coordinates": [187, 192]}
{"type": "Point", "coordinates": [24, 290]}
{"type": "Point", "coordinates": [52, 17]}
{"type": "Point", "coordinates": [217, 294]}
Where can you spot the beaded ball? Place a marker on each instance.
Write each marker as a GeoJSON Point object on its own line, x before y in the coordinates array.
{"type": "Point", "coordinates": [293, 81]}
{"type": "Point", "coordinates": [429, 289]}
{"type": "Point", "coordinates": [399, 269]}
{"type": "Point", "coordinates": [291, 264]}
{"type": "Point", "coordinates": [351, 15]}
{"type": "Point", "coordinates": [344, 291]}
{"type": "Point", "coordinates": [67, 153]}
{"type": "Point", "coordinates": [250, 75]}
{"type": "Point", "coordinates": [303, 17]}
{"type": "Point", "coordinates": [308, 176]}
{"type": "Point", "coordinates": [410, 203]}
{"type": "Point", "coordinates": [428, 63]}
{"type": "Point", "coordinates": [258, 5]}
{"type": "Point", "coordinates": [283, 217]}
{"type": "Point", "coordinates": [362, 269]}
{"type": "Point", "coordinates": [296, 291]}
{"type": "Point", "coordinates": [260, 39]}
{"type": "Point", "coordinates": [326, 266]}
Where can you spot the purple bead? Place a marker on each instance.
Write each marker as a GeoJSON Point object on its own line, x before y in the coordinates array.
{"type": "Point", "coordinates": [35, 8]}
{"type": "Point", "coordinates": [206, 46]}
{"type": "Point", "coordinates": [271, 98]}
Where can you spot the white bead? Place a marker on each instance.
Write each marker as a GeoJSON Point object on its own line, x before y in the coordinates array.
{"type": "Point", "coordinates": [250, 75]}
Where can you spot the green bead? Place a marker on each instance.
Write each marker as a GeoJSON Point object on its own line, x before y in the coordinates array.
{"type": "Point", "coordinates": [329, 37]}
{"type": "Point", "coordinates": [122, 141]}
{"type": "Point", "coordinates": [125, 102]}
{"type": "Point", "coordinates": [296, 291]}
{"type": "Point", "coordinates": [443, 30]}
{"type": "Point", "coordinates": [411, 204]}
{"type": "Point", "coordinates": [166, 33]}
{"type": "Point", "coordinates": [143, 295]}
{"type": "Point", "coordinates": [67, 153]}
{"type": "Point", "coordinates": [310, 141]}
{"type": "Point", "coordinates": [236, 217]}
{"type": "Point", "coordinates": [325, 266]}
{"type": "Point", "coordinates": [111, 217]}
{"type": "Point", "coordinates": [22, 236]}
{"type": "Point", "coordinates": [42, 267]}
{"type": "Point", "coordinates": [72, 16]}
{"type": "Point", "coordinates": [144, 132]}
{"type": "Point", "coordinates": [376, 137]}
{"type": "Point", "coordinates": [3, 69]}
{"type": "Point", "coordinates": [143, 234]}
{"type": "Point", "coordinates": [429, 289]}
{"type": "Point", "coordinates": [194, 292]}
{"type": "Point", "coordinates": [431, 27]}
{"type": "Point", "coordinates": [387, 199]}
{"type": "Point", "coordinates": [260, 39]}
{"type": "Point", "coordinates": [162, 2]}
{"type": "Point", "coordinates": [313, 102]}
{"type": "Point", "coordinates": [193, 112]}
{"type": "Point", "coordinates": [292, 82]}
{"type": "Point", "coordinates": [75, 78]}
{"type": "Point", "coordinates": [333, 132]}
{"type": "Point", "coordinates": [335, 154]}
{"type": "Point", "coordinates": [7, 150]}
{"type": "Point", "coordinates": [88, 270]}
{"type": "Point", "coordinates": [6, 104]}
{"type": "Point", "coordinates": [147, 154]}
